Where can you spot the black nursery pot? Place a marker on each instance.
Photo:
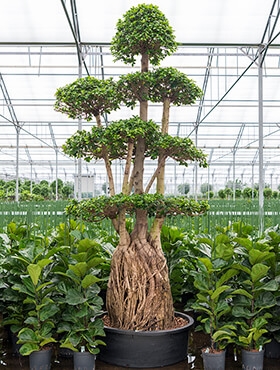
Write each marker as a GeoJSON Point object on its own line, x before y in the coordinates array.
{"type": "Point", "coordinates": [84, 361]}
{"type": "Point", "coordinates": [40, 360]}
{"type": "Point", "coordinates": [144, 349]}
{"type": "Point", "coordinates": [272, 349]}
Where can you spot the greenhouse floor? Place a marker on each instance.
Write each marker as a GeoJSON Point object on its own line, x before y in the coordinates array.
{"type": "Point", "coordinates": [8, 361]}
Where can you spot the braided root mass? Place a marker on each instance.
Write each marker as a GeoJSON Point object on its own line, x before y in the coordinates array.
{"type": "Point", "coordinates": [139, 295]}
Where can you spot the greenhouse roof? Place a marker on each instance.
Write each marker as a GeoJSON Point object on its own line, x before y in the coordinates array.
{"type": "Point", "coordinates": [231, 49]}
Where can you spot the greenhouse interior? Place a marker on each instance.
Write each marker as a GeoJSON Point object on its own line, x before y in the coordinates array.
{"type": "Point", "coordinates": [230, 49]}
{"type": "Point", "coordinates": [51, 215]}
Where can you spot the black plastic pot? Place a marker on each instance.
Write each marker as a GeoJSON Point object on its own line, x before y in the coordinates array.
{"type": "Point", "coordinates": [214, 361]}
{"type": "Point", "coordinates": [84, 361]}
{"type": "Point", "coordinates": [252, 360]}
{"type": "Point", "coordinates": [15, 345]}
{"type": "Point", "coordinates": [272, 349]}
{"type": "Point", "coordinates": [145, 349]}
{"type": "Point", "coordinates": [40, 360]}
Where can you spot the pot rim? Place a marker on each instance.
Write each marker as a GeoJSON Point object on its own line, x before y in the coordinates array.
{"type": "Point", "coordinates": [155, 332]}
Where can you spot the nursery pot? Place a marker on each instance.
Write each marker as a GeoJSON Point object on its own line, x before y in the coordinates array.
{"type": "Point", "coordinates": [84, 361]}
{"type": "Point", "coordinates": [272, 349]}
{"type": "Point", "coordinates": [144, 349]}
{"type": "Point", "coordinates": [15, 345]}
{"type": "Point", "coordinates": [252, 360]}
{"type": "Point", "coordinates": [214, 361]}
{"type": "Point", "coordinates": [40, 360]}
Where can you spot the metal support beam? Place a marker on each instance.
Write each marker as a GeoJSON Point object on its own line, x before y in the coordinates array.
{"type": "Point", "coordinates": [31, 164]}
{"type": "Point", "coordinates": [236, 145]}
{"type": "Point", "coordinates": [56, 160]}
{"type": "Point", "coordinates": [200, 107]}
{"type": "Point", "coordinates": [17, 127]}
{"type": "Point", "coordinates": [261, 170]}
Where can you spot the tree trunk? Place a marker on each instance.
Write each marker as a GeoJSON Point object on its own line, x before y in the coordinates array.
{"type": "Point", "coordinates": [139, 295]}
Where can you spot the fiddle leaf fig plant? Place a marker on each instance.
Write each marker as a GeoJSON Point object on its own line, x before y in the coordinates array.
{"type": "Point", "coordinates": [80, 324]}
{"type": "Point", "coordinates": [255, 296]}
{"type": "Point", "coordinates": [138, 292]}
{"type": "Point", "coordinates": [27, 297]}
{"type": "Point", "coordinates": [38, 327]}
{"type": "Point", "coordinates": [212, 279]}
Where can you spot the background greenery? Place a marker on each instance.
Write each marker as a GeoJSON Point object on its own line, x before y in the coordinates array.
{"type": "Point", "coordinates": [222, 211]}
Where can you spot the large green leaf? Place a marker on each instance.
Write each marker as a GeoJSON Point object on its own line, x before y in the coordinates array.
{"type": "Point", "coordinates": [243, 292]}
{"type": "Point", "coordinates": [271, 286]}
{"type": "Point", "coordinates": [207, 263]}
{"type": "Point", "coordinates": [27, 335]}
{"type": "Point", "coordinates": [32, 321]}
{"type": "Point", "coordinates": [222, 308]}
{"type": "Point", "coordinates": [69, 345]}
{"type": "Point", "coordinates": [203, 297]}
{"type": "Point", "coordinates": [74, 297]}
{"type": "Point", "coordinates": [217, 292]}
{"type": "Point", "coordinates": [46, 341]}
{"type": "Point", "coordinates": [81, 257]}
{"type": "Point", "coordinates": [265, 300]}
{"type": "Point", "coordinates": [89, 280]}
{"type": "Point", "coordinates": [259, 323]}
{"type": "Point", "coordinates": [48, 311]}
{"type": "Point", "coordinates": [240, 267]}
{"type": "Point", "coordinates": [242, 312]}
{"type": "Point", "coordinates": [43, 287]}
{"type": "Point", "coordinates": [223, 251]}
{"type": "Point", "coordinates": [34, 272]}
{"type": "Point", "coordinates": [245, 242]}
{"type": "Point", "coordinates": [28, 287]}
{"type": "Point", "coordinates": [201, 283]}
{"type": "Point", "coordinates": [80, 269]}
{"type": "Point", "coordinates": [44, 262]}
{"type": "Point", "coordinates": [96, 261]}
{"type": "Point", "coordinates": [222, 239]}
{"type": "Point", "coordinates": [201, 308]}
{"type": "Point", "coordinates": [46, 328]}
{"type": "Point", "coordinates": [258, 272]}
{"type": "Point", "coordinates": [27, 348]}
{"type": "Point", "coordinates": [256, 256]}
{"type": "Point", "coordinates": [227, 276]}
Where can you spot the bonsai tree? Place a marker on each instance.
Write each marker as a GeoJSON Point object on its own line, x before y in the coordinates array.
{"type": "Point", "coordinates": [138, 294]}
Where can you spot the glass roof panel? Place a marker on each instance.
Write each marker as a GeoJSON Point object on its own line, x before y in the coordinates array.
{"type": "Point", "coordinates": [194, 21]}
{"type": "Point", "coordinates": [220, 41]}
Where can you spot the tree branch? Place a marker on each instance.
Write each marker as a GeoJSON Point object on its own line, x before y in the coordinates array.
{"type": "Point", "coordinates": [155, 174]}
{"type": "Point", "coordinates": [126, 180]}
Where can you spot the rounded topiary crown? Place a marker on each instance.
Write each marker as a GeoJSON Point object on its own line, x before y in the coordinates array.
{"type": "Point", "coordinates": [144, 29]}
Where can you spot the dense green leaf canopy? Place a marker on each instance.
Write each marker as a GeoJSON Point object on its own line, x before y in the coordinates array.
{"type": "Point", "coordinates": [157, 85]}
{"type": "Point", "coordinates": [169, 82]}
{"type": "Point", "coordinates": [144, 29]}
{"type": "Point", "coordinates": [116, 137]}
{"type": "Point", "coordinates": [98, 208]}
{"type": "Point", "coordinates": [87, 97]}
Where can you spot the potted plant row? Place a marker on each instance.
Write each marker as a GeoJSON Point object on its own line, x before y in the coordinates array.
{"type": "Point", "coordinates": [236, 294]}
{"type": "Point", "coordinates": [50, 291]}
{"type": "Point", "coordinates": [51, 294]}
